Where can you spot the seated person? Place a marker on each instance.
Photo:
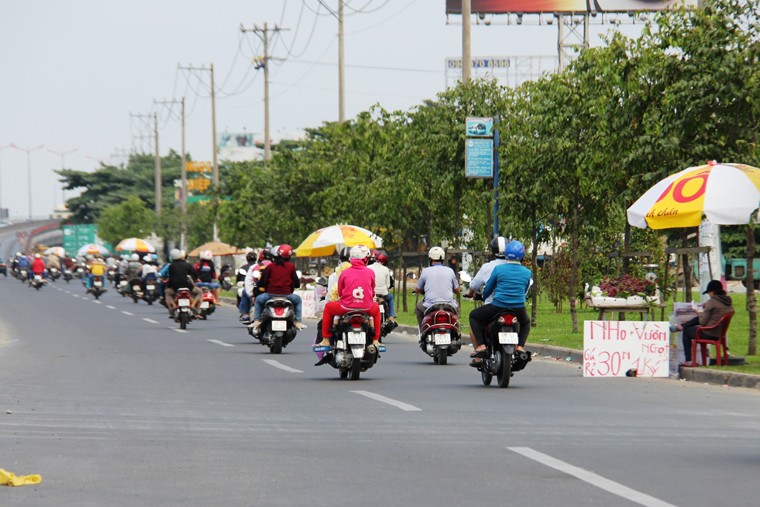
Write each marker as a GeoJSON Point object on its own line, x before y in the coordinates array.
{"type": "Point", "coordinates": [714, 309]}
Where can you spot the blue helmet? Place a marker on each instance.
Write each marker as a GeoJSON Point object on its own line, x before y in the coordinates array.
{"type": "Point", "coordinates": [515, 251]}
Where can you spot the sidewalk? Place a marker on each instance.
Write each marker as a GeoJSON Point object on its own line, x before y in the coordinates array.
{"type": "Point", "coordinates": [704, 375]}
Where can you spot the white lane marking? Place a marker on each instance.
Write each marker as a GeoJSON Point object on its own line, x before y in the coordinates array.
{"type": "Point", "coordinates": [150, 320]}
{"type": "Point", "coordinates": [127, 313]}
{"type": "Point", "coordinates": [111, 307]}
{"type": "Point", "coordinates": [591, 478]}
{"type": "Point", "coordinates": [277, 364]}
{"type": "Point", "coordinates": [75, 295]}
{"type": "Point", "coordinates": [390, 401]}
{"type": "Point", "coordinates": [221, 343]}
{"type": "Point", "coordinates": [97, 302]}
{"type": "Point", "coordinates": [68, 292]}
{"type": "Point", "coordinates": [179, 330]}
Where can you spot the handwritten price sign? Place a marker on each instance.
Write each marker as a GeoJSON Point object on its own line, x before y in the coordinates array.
{"type": "Point", "coordinates": [611, 348]}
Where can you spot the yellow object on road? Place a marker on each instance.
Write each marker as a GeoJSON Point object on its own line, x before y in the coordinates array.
{"type": "Point", "coordinates": [10, 479]}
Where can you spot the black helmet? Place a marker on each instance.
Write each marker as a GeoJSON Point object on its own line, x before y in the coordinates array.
{"type": "Point", "coordinates": [345, 253]}
{"type": "Point", "coordinates": [251, 256]}
{"type": "Point", "coordinates": [498, 246]}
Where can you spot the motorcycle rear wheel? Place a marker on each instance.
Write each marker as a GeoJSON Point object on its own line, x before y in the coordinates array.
{"type": "Point", "coordinates": [96, 294]}
{"type": "Point", "coordinates": [343, 373]}
{"type": "Point", "coordinates": [485, 375]}
{"type": "Point", "coordinates": [182, 320]}
{"type": "Point", "coordinates": [276, 347]}
{"type": "Point", "coordinates": [356, 369]}
{"type": "Point", "coordinates": [504, 372]}
{"type": "Point", "coordinates": [443, 356]}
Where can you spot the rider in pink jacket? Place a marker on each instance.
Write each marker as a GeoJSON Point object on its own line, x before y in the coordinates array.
{"type": "Point", "coordinates": [356, 288]}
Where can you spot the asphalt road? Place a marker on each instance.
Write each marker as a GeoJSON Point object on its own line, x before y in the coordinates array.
{"type": "Point", "coordinates": [112, 405]}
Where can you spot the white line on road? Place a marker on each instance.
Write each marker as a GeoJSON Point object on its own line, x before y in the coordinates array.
{"type": "Point", "coordinates": [111, 307]}
{"type": "Point", "coordinates": [150, 320]}
{"type": "Point", "coordinates": [221, 343]}
{"type": "Point", "coordinates": [75, 295]}
{"type": "Point", "coordinates": [591, 478]}
{"type": "Point", "coordinates": [179, 330]}
{"type": "Point", "coordinates": [277, 364]}
{"type": "Point", "coordinates": [127, 313]}
{"type": "Point", "coordinates": [97, 302]}
{"type": "Point", "coordinates": [390, 401]}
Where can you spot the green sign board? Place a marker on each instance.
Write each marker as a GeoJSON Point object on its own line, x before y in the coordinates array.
{"type": "Point", "coordinates": [76, 236]}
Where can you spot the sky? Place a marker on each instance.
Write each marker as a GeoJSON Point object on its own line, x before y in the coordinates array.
{"type": "Point", "coordinates": [77, 74]}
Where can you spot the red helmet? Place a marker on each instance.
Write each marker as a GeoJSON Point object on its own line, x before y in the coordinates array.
{"type": "Point", "coordinates": [382, 258]}
{"type": "Point", "coordinates": [284, 251]}
{"type": "Point", "coordinates": [373, 255]}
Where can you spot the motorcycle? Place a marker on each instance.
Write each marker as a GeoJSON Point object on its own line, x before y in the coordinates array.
{"type": "Point", "coordinates": [123, 287]}
{"type": "Point", "coordinates": [278, 325]}
{"type": "Point", "coordinates": [79, 273]}
{"type": "Point", "coordinates": [208, 302]}
{"type": "Point", "coordinates": [502, 360]}
{"type": "Point", "coordinates": [37, 282]}
{"type": "Point", "coordinates": [135, 289]}
{"type": "Point", "coordinates": [23, 275]}
{"type": "Point", "coordinates": [182, 312]}
{"type": "Point", "coordinates": [111, 274]}
{"type": "Point", "coordinates": [97, 286]}
{"type": "Point", "coordinates": [353, 350]}
{"type": "Point", "coordinates": [386, 326]}
{"type": "Point", "coordinates": [67, 275]}
{"type": "Point", "coordinates": [226, 282]}
{"type": "Point", "coordinates": [440, 336]}
{"type": "Point", "coordinates": [54, 273]}
{"type": "Point", "coordinates": [151, 291]}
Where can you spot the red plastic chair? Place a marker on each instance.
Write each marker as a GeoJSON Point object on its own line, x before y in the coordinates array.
{"type": "Point", "coordinates": [721, 347]}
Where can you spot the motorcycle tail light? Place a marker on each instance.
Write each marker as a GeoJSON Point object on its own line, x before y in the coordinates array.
{"type": "Point", "coordinates": [279, 311]}
{"type": "Point", "coordinates": [441, 318]}
{"type": "Point", "coordinates": [357, 321]}
{"type": "Point", "coordinates": [507, 320]}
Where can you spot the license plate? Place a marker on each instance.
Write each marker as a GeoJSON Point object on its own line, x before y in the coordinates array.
{"type": "Point", "coordinates": [150, 287]}
{"type": "Point", "coordinates": [382, 309]}
{"type": "Point", "coordinates": [508, 338]}
{"type": "Point", "coordinates": [123, 283]}
{"type": "Point", "coordinates": [355, 338]}
{"type": "Point", "coordinates": [98, 284]}
{"type": "Point", "coordinates": [204, 304]}
{"type": "Point", "coordinates": [279, 325]}
{"type": "Point", "coordinates": [442, 339]}
{"type": "Point", "coordinates": [37, 277]}
{"type": "Point", "coordinates": [183, 302]}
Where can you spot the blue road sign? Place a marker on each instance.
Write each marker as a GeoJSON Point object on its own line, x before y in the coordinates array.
{"type": "Point", "coordinates": [478, 157]}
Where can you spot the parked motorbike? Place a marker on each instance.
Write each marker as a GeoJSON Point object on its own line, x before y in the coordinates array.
{"type": "Point", "coordinates": [208, 302]}
{"type": "Point", "coordinates": [440, 336]}
{"type": "Point", "coordinates": [182, 312]}
{"type": "Point", "coordinates": [353, 351]}
{"type": "Point", "coordinates": [278, 325]}
{"type": "Point", "coordinates": [97, 286]}
{"type": "Point", "coordinates": [37, 282]}
{"type": "Point", "coordinates": [502, 360]}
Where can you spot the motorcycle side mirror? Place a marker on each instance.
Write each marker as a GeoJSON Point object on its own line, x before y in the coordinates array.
{"type": "Point", "coordinates": [465, 277]}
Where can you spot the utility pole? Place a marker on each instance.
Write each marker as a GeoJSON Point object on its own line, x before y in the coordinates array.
{"type": "Point", "coordinates": [62, 154]}
{"type": "Point", "coordinates": [341, 67]}
{"type": "Point", "coordinates": [157, 170]}
{"type": "Point", "coordinates": [210, 68]}
{"type": "Point", "coordinates": [466, 54]}
{"type": "Point", "coordinates": [1, 186]}
{"type": "Point", "coordinates": [29, 171]}
{"type": "Point", "coordinates": [263, 34]}
{"type": "Point", "coordinates": [183, 186]}
{"type": "Point", "coordinates": [145, 120]}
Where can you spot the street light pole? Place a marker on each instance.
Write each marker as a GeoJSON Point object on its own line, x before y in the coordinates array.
{"type": "Point", "coordinates": [62, 154]}
{"type": "Point", "coordinates": [1, 186]}
{"type": "Point", "coordinates": [29, 171]}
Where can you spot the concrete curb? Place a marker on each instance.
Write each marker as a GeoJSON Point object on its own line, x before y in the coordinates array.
{"type": "Point", "coordinates": [703, 375]}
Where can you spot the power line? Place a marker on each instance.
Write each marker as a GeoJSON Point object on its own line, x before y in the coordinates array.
{"type": "Point", "coordinates": [370, 67]}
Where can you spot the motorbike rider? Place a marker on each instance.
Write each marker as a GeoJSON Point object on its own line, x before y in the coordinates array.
{"type": "Point", "coordinates": [207, 273]}
{"type": "Point", "coordinates": [356, 288]}
{"type": "Point", "coordinates": [497, 247]}
{"type": "Point", "coordinates": [149, 272]}
{"type": "Point", "coordinates": [249, 279]}
{"type": "Point", "coordinates": [278, 279]}
{"type": "Point", "coordinates": [96, 267]}
{"type": "Point", "coordinates": [437, 283]}
{"type": "Point", "coordinates": [38, 267]}
{"type": "Point", "coordinates": [509, 282]}
{"type": "Point", "coordinates": [332, 280]}
{"type": "Point", "coordinates": [180, 276]}
{"type": "Point", "coordinates": [22, 263]}
{"type": "Point", "coordinates": [383, 281]}
{"type": "Point", "coordinates": [53, 261]}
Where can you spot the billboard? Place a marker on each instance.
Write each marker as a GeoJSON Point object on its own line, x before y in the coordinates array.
{"type": "Point", "coordinates": [549, 6]}
{"type": "Point", "coordinates": [238, 147]}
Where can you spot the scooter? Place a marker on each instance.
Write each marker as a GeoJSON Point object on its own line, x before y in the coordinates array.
{"type": "Point", "coordinates": [352, 351]}
{"type": "Point", "coordinates": [278, 325]}
{"type": "Point", "coordinates": [208, 302]}
{"type": "Point", "coordinates": [97, 286]}
{"type": "Point", "coordinates": [440, 336]}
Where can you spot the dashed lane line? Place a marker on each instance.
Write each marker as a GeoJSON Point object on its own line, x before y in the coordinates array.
{"type": "Point", "coordinates": [221, 343]}
{"type": "Point", "coordinates": [277, 364]}
{"type": "Point", "coordinates": [591, 478]}
{"type": "Point", "coordinates": [128, 313]}
{"type": "Point", "coordinates": [390, 401]}
{"type": "Point", "coordinates": [111, 307]}
{"type": "Point", "coordinates": [150, 320]}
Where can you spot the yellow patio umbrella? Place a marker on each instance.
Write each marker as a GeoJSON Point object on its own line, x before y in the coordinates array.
{"type": "Point", "coordinates": [329, 240]}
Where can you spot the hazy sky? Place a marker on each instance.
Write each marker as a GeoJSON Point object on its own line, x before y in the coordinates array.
{"type": "Point", "coordinates": [74, 70]}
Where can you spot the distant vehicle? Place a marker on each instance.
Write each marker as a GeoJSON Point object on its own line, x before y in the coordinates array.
{"type": "Point", "coordinates": [3, 267]}
{"type": "Point", "coordinates": [736, 269]}
{"type": "Point", "coordinates": [477, 130]}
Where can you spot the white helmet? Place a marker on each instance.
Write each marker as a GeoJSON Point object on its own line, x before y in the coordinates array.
{"type": "Point", "coordinates": [436, 254]}
{"type": "Point", "coordinates": [206, 255]}
{"type": "Point", "coordinates": [359, 252]}
{"type": "Point", "coordinates": [134, 257]}
{"type": "Point", "coordinates": [148, 258]}
{"type": "Point", "coordinates": [175, 254]}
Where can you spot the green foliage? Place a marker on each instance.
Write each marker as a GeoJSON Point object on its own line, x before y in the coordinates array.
{"type": "Point", "coordinates": [128, 219]}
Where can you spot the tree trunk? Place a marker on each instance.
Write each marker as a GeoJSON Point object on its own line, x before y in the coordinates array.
{"type": "Point", "coordinates": [626, 248]}
{"type": "Point", "coordinates": [403, 283]}
{"type": "Point", "coordinates": [687, 273]}
{"type": "Point", "coordinates": [751, 303]}
{"type": "Point", "coordinates": [534, 268]}
{"type": "Point", "coordinates": [574, 271]}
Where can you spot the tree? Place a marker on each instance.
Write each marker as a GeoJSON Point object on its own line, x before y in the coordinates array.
{"type": "Point", "coordinates": [129, 219]}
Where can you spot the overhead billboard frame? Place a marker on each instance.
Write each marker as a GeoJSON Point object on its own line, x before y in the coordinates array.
{"type": "Point", "coordinates": [567, 6]}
